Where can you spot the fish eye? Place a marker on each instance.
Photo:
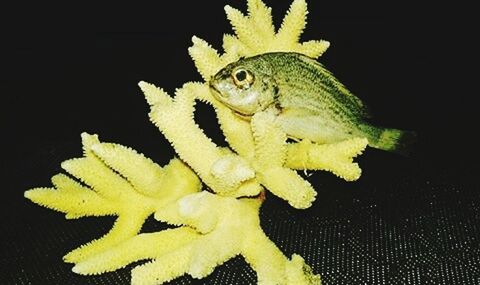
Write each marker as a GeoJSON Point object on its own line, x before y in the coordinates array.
{"type": "Point", "coordinates": [242, 78]}
{"type": "Point", "coordinates": [241, 75]}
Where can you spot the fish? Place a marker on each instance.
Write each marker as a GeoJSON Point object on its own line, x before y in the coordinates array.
{"type": "Point", "coordinates": [309, 102]}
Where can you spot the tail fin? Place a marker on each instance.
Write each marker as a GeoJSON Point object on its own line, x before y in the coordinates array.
{"type": "Point", "coordinates": [393, 140]}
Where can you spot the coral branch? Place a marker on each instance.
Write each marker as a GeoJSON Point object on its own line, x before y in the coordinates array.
{"type": "Point", "coordinates": [176, 122]}
{"type": "Point", "coordinates": [233, 48]}
{"type": "Point", "coordinates": [142, 246]}
{"type": "Point", "coordinates": [270, 151]}
{"type": "Point", "coordinates": [126, 226]}
{"type": "Point", "coordinates": [265, 258]}
{"type": "Point", "coordinates": [293, 24]}
{"type": "Point", "coordinates": [210, 63]}
{"type": "Point", "coordinates": [336, 158]}
{"type": "Point", "coordinates": [163, 269]}
{"type": "Point", "coordinates": [288, 185]}
{"type": "Point", "coordinates": [142, 173]}
{"type": "Point", "coordinates": [261, 18]}
{"type": "Point", "coordinates": [231, 227]}
{"type": "Point", "coordinates": [313, 49]}
{"type": "Point", "coordinates": [243, 28]}
{"type": "Point", "coordinates": [126, 194]}
{"type": "Point", "coordinates": [71, 198]}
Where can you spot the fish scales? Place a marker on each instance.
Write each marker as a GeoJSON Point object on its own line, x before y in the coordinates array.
{"type": "Point", "coordinates": [306, 85]}
{"type": "Point", "coordinates": [309, 83]}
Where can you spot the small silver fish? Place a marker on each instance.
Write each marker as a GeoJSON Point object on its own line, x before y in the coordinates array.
{"type": "Point", "coordinates": [311, 103]}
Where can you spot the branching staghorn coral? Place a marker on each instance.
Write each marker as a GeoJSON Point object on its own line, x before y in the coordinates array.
{"type": "Point", "coordinates": [209, 228]}
{"type": "Point", "coordinates": [121, 182]}
{"type": "Point", "coordinates": [229, 227]}
{"type": "Point", "coordinates": [212, 229]}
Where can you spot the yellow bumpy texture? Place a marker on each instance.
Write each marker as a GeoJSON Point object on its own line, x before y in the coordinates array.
{"type": "Point", "coordinates": [120, 182]}
{"type": "Point", "coordinates": [229, 227]}
{"type": "Point", "coordinates": [207, 229]}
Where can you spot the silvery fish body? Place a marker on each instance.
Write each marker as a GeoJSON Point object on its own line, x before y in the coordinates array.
{"type": "Point", "coordinates": [311, 103]}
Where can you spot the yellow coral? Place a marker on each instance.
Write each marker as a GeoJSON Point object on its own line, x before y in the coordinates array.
{"type": "Point", "coordinates": [336, 158]}
{"type": "Point", "coordinates": [139, 247]}
{"type": "Point", "coordinates": [231, 174]}
{"type": "Point", "coordinates": [146, 187]}
{"type": "Point", "coordinates": [270, 156]}
{"type": "Point", "coordinates": [231, 227]}
{"type": "Point", "coordinates": [211, 228]}
{"type": "Point", "coordinates": [174, 117]}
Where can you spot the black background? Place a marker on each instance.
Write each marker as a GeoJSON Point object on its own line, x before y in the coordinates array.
{"type": "Point", "coordinates": [66, 70]}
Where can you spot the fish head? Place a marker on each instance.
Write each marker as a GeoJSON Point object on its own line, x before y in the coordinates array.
{"type": "Point", "coordinates": [246, 86]}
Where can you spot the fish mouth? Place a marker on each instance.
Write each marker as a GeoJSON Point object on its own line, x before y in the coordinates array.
{"type": "Point", "coordinates": [215, 92]}
{"type": "Point", "coordinates": [223, 99]}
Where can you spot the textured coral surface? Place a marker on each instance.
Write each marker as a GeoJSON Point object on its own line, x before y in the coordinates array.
{"type": "Point", "coordinates": [208, 227]}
